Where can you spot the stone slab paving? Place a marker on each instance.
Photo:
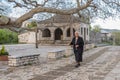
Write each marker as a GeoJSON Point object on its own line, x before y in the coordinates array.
{"type": "Point", "coordinates": [29, 72]}
{"type": "Point", "coordinates": [115, 73]}
{"type": "Point", "coordinates": [99, 69]}
{"type": "Point", "coordinates": [68, 68]}
{"type": "Point", "coordinates": [3, 65]}
{"type": "Point", "coordinates": [24, 49]}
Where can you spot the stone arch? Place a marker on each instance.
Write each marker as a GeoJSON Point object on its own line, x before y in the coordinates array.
{"type": "Point", "coordinates": [46, 33]}
{"type": "Point", "coordinates": [68, 32]}
{"type": "Point", "coordinates": [58, 34]}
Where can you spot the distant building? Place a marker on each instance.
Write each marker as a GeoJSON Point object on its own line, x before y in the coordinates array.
{"type": "Point", "coordinates": [99, 37]}
{"type": "Point", "coordinates": [105, 35]}
{"type": "Point", "coordinates": [57, 30]}
{"type": "Point", "coordinates": [95, 37]}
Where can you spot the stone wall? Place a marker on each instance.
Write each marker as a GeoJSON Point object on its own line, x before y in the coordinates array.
{"type": "Point", "coordinates": [28, 37]}
{"type": "Point", "coordinates": [89, 46]}
{"type": "Point", "coordinates": [60, 53]}
{"type": "Point", "coordinates": [23, 60]}
{"type": "Point", "coordinates": [55, 54]}
{"type": "Point", "coordinates": [66, 53]}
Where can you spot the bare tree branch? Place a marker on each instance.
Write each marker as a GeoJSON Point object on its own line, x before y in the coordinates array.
{"type": "Point", "coordinates": [52, 10]}
{"type": "Point", "coordinates": [111, 2]}
{"type": "Point", "coordinates": [28, 2]}
{"type": "Point", "coordinates": [1, 9]}
{"type": "Point", "coordinates": [40, 9]}
{"type": "Point", "coordinates": [18, 4]}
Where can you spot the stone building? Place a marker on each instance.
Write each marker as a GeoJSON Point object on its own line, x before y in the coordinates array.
{"type": "Point", "coordinates": [27, 37]}
{"type": "Point", "coordinates": [95, 37]}
{"type": "Point", "coordinates": [99, 37]}
{"type": "Point", "coordinates": [105, 35]}
{"type": "Point", "coordinates": [60, 29]}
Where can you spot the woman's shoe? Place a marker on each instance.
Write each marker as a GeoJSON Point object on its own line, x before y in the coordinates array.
{"type": "Point", "coordinates": [77, 65]}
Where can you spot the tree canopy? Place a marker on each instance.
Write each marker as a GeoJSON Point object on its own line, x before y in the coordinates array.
{"type": "Point", "coordinates": [32, 24]}
{"type": "Point", "coordinates": [87, 8]}
{"type": "Point", "coordinates": [96, 28]}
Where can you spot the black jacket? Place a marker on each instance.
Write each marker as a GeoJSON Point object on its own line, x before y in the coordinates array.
{"type": "Point", "coordinates": [79, 42]}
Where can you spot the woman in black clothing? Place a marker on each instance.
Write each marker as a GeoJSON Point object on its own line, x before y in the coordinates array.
{"type": "Point", "coordinates": [78, 47]}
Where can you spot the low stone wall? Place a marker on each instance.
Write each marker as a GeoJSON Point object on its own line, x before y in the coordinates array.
{"type": "Point", "coordinates": [60, 53]}
{"type": "Point", "coordinates": [55, 54]}
{"type": "Point", "coordinates": [68, 52]}
{"type": "Point", "coordinates": [23, 60]}
{"type": "Point", "coordinates": [88, 46]}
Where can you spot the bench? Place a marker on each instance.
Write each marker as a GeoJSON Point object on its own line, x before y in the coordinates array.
{"type": "Point", "coordinates": [56, 54]}
{"type": "Point", "coordinates": [68, 52]}
{"type": "Point", "coordinates": [18, 60]}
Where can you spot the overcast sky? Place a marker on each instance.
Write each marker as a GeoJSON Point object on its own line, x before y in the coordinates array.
{"type": "Point", "coordinates": [108, 23]}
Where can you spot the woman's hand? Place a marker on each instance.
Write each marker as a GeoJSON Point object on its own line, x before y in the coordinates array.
{"type": "Point", "coordinates": [68, 44]}
{"type": "Point", "coordinates": [77, 46]}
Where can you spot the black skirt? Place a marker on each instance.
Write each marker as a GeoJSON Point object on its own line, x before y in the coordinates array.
{"type": "Point", "coordinates": [78, 55]}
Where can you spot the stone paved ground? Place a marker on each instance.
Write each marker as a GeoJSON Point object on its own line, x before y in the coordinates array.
{"type": "Point", "coordinates": [101, 63]}
{"type": "Point", "coordinates": [22, 49]}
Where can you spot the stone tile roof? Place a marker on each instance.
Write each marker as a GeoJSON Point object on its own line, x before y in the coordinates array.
{"type": "Point", "coordinates": [61, 19]}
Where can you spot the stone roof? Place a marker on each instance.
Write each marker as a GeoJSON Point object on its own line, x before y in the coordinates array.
{"type": "Point", "coordinates": [61, 19]}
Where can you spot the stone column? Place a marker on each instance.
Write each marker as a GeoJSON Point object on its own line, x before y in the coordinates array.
{"type": "Point", "coordinates": [64, 34]}
{"type": "Point", "coordinates": [52, 35]}
{"type": "Point", "coordinates": [40, 35]}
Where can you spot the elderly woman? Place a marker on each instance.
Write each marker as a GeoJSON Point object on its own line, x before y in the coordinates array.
{"type": "Point", "coordinates": [78, 45]}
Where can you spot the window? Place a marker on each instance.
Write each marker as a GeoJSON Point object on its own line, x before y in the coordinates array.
{"type": "Point", "coordinates": [81, 31]}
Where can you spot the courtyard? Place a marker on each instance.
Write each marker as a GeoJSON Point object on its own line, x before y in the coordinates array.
{"type": "Point", "coordinates": [35, 37]}
{"type": "Point", "coordinates": [100, 63]}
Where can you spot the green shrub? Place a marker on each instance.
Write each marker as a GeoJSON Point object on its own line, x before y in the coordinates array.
{"type": "Point", "coordinates": [116, 36]}
{"type": "Point", "coordinates": [7, 36]}
{"type": "Point", "coordinates": [3, 51]}
{"type": "Point", "coordinates": [32, 25]}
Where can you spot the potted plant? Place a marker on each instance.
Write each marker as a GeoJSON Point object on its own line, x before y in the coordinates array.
{"type": "Point", "coordinates": [3, 54]}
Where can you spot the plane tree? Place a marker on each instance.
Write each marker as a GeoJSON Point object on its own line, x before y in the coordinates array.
{"type": "Point", "coordinates": [90, 9]}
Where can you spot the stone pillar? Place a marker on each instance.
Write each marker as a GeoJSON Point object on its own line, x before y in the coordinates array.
{"type": "Point", "coordinates": [40, 34]}
{"type": "Point", "coordinates": [64, 34]}
{"type": "Point", "coordinates": [52, 35]}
